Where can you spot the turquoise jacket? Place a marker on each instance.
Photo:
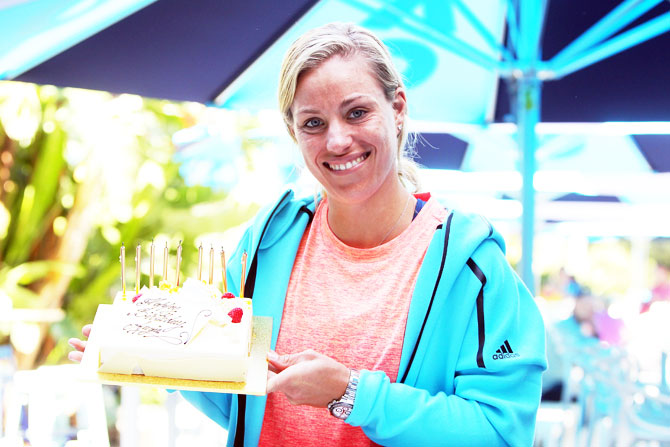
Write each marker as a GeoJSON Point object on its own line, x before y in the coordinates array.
{"type": "Point", "coordinates": [473, 351]}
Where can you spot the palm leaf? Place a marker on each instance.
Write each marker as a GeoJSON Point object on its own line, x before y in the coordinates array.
{"type": "Point", "coordinates": [39, 195]}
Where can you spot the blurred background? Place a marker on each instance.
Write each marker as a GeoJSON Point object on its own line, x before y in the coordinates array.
{"type": "Point", "coordinates": [139, 120]}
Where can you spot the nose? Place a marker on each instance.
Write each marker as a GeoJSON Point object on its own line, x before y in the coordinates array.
{"type": "Point", "coordinates": [338, 137]}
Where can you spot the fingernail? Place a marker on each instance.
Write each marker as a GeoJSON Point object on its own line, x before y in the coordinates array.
{"type": "Point", "coordinates": [71, 342]}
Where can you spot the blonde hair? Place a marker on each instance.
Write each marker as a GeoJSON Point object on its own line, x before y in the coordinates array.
{"type": "Point", "coordinates": [345, 39]}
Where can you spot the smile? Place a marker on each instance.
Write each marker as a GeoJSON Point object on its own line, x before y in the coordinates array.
{"type": "Point", "coordinates": [348, 165]}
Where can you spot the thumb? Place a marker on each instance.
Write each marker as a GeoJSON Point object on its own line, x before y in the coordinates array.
{"type": "Point", "coordinates": [272, 383]}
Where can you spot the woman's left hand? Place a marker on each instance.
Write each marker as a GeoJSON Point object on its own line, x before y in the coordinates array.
{"type": "Point", "coordinates": [307, 378]}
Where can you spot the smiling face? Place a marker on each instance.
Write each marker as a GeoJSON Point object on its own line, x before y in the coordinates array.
{"type": "Point", "coordinates": [347, 129]}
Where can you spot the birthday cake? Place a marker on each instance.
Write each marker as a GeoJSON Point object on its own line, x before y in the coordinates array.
{"type": "Point", "coordinates": [187, 332]}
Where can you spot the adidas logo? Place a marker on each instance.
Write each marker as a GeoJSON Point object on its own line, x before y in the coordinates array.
{"type": "Point", "coordinates": [505, 352]}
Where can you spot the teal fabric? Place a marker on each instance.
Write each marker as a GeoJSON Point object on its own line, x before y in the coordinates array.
{"type": "Point", "coordinates": [446, 399]}
{"type": "Point", "coordinates": [35, 31]}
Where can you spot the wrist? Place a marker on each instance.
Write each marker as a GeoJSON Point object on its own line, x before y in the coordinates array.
{"type": "Point", "coordinates": [341, 408]}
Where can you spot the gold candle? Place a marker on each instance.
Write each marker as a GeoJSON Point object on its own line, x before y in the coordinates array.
{"type": "Point", "coordinates": [151, 264]}
{"type": "Point", "coordinates": [178, 262]}
{"type": "Point", "coordinates": [223, 270]}
{"type": "Point", "coordinates": [122, 258]}
{"type": "Point", "coordinates": [244, 269]}
{"type": "Point", "coordinates": [165, 262]}
{"type": "Point", "coordinates": [138, 254]}
{"type": "Point", "coordinates": [211, 264]}
{"type": "Point", "coordinates": [200, 262]}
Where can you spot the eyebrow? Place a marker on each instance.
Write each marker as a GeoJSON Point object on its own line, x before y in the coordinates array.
{"type": "Point", "coordinates": [346, 103]}
{"type": "Point", "coordinates": [354, 98]}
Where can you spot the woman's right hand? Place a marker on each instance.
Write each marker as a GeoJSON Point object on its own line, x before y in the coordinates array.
{"type": "Point", "coordinates": [79, 345]}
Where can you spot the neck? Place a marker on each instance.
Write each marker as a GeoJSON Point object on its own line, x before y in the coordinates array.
{"type": "Point", "coordinates": [374, 221]}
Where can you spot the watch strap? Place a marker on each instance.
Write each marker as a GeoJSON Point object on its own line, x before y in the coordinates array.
{"type": "Point", "coordinates": [341, 408]}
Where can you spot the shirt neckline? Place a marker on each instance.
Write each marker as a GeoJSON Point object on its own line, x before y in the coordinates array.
{"type": "Point", "coordinates": [380, 251]}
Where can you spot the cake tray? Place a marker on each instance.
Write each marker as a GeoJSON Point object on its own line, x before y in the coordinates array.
{"type": "Point", "coordinates": [256, 383]}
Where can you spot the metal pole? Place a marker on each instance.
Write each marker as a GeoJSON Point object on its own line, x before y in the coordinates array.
{"type": "Point", "coordinates": [612, 23]}
{"type": "Point", "coordinates": [528, 115]}
{"type": "Point", "coordinates": [621, 42]}
{"type": "Point", "coordinates": [531, 22]}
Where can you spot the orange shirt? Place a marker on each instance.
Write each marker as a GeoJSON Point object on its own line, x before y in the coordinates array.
{"type": "Point", "coordinates": [350, 304]}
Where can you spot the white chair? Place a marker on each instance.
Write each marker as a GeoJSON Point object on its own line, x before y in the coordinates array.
{"type": "Point", "coordinates": [645, 414]}
{"type": "Point", "coordinates": [57, 408]}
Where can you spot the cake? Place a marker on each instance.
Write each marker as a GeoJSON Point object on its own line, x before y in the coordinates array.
{"type": "Point", "coordinates": [188, 332]}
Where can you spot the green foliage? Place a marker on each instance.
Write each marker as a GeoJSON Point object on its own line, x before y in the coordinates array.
{"type": "Point", "coordinates": [14, 280]}
{"type": "Point", "coordinates": [83, 172]}
{"type": "Point", "coordinates": [39, 193]}
{"type": "Point", "coordinates": [660, 251]}
{"type": "Point", "coordinates": [33, 168]}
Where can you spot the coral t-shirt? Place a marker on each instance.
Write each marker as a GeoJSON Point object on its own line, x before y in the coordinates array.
{"type": "Point", "coordinates": [350, 304]}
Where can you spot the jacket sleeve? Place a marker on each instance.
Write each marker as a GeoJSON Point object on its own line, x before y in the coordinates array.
{"type": "Point", "coordinates": [490, 405]}
{"type": "Point", "coordinates": [215, 406]}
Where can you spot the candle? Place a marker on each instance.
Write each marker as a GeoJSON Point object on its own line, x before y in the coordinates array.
{"type": "Point", "coordinates": [138, 253]}
{"type": "Point", "coordinates": [200, 262]}
{"type": "Point", "coordinates": [178, 262]}
{"type": "Point", "coordinates": [122, 258]}
{"type": "Point", "coordinates": [223, 270]}
{"type": "Point", "coordinates": [244, 269]}
{"type": "Point", "coordinates": [165, 262]}
{"type": "Point", "coordinates": [151, 264]}
{"type": "Point", "coordinates": [211, 264]}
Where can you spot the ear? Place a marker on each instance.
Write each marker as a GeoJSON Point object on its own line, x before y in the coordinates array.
{"type": "Point", "coordinates": [399, 105]}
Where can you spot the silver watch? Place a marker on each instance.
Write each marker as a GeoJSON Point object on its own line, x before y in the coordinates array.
{"type": "Point", "coordinates": [341, 408]}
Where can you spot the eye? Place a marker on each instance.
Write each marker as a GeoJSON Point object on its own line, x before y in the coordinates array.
{"type": "Point", "coordinates": [312, 123]}
{"type": "Point", "coordinates": [357, 113]}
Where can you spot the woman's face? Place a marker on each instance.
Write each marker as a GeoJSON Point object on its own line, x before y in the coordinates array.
{"type": "Point", "coordinates": [347, 129]}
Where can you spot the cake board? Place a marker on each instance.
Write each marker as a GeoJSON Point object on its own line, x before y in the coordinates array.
{"type": "Point", "coordinates": [255, 385]}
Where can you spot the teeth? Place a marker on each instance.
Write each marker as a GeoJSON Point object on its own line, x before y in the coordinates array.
{"type": "Point", "coordinates": [347, 165]}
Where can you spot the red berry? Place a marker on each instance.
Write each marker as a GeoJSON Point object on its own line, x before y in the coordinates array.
{"type": "Point", "coordinates": [137, 297]}
{"type": "Point", "coordinates": [236, 314]}
{"type": "Point", "coordinates": [227, 295]}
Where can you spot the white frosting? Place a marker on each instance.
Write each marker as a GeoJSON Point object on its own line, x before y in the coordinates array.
{"type": "Point", "coordinates": [184, 333]}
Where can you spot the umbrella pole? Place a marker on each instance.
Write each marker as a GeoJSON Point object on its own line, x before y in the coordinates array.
{"type": "Point", "coordinates": [528, 115]}
{"type": "Point", "coordinates": [531, 22]}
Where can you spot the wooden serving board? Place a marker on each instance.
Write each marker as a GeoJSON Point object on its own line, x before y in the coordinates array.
{"type": "Point", "coordinates": [256, 375]}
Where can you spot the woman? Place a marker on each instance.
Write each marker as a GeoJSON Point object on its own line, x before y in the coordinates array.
{"type": "Point", "coordinates": [399, 316]}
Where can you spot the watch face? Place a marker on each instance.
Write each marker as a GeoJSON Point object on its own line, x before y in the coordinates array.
{"type": "Point", "coordinates": [341, 410]}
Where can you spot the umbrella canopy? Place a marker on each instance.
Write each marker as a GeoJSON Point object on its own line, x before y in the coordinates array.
{"type": "Point", "coordinates": [173, 49]}
{"type": "Point", "coordinates": [464, 62]}
{"type": "Point", "coordinates": [228, 53]}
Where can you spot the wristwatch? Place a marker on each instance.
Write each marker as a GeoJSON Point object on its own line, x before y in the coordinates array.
{"type": "Point", "coordinates": [341, 408]}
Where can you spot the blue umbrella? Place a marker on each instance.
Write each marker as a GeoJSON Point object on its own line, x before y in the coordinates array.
{"type": "Point", "coordinates": [463, 60]}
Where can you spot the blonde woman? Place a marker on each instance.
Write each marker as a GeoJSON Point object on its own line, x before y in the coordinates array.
{"type": "Point", "coordinates": [396, 321]}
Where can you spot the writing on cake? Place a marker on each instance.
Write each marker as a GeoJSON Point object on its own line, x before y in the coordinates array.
{"type": "Point", "coordinates": [162, 318]}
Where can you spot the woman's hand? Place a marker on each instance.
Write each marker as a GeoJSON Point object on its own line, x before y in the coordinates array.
{"type": "Point", "coordinates": [307, 378]}
{"type": "Point", "coordinates": [79, 345]}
